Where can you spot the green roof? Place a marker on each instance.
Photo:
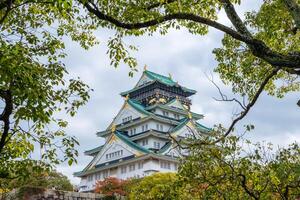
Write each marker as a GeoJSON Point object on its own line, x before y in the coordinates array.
{"type": "Point", "coordinates": [162, 79]}
{"type": "Point", "coordinates": [94, 150]}
{"type": "Point", "coordinates": [165, 147]}
{"type": "Point", "coordinates": [166, 80]}
{"type": "Point", "coordinates": [183, 122]}
{"type": "Point", "coordinates": [138, 106]}
{"type": "Point", "coordinates": [130, 143]}
{"type": "Point", "coordinates": [203, 128]}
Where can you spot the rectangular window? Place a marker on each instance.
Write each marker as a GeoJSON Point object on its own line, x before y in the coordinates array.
{"type": "Point", "coordinates": [105, 174]}
{"type": "Point", "coordinates": [123, 169]}
{"type": "Point", "coordinates": [156, 145]}
{"type": "Point", "coordinates": [131, 167]}
{"type": "Point", "coordinates": [146, 127]}
{"type": "Point", "coordinates": [126, 119]}
{"type": "Point", "coordinates": [161, 127]}
{"type": "Point", "coordinates": [134, 131]}
{"type": "Point", "coordinates": [140, 165]}
{"type": "Point", "coordinates": [143, 128]}
{"type": "Point", "coordinates": [157, 127]}
{"type": "Point", "coordinates": [145, 142]}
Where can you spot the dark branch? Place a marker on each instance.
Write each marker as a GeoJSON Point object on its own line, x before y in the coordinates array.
{"type": "Point", "coordinates": [5, 115]}
{"type": "Point", "coordinates": [258, 47]}
{"type": "Point", "coordinates": [245, 187]}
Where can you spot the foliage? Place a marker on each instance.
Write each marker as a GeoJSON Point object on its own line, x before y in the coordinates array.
{"type": "Point", "coordinates": [238, 169]}
{"type": "Point", "coordinates": [34, 89]}
{"type": "Point", "coordinates": [47, 180]}
{"type": "Point", "coordinates": [112, 187]}
{"type": "Point", "coordinates": [274, 27]}
{"type": "Point", "coordinates": [157, 186]}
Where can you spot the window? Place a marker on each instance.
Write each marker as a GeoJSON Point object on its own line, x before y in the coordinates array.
{"type": "Point", "coordinates": [115, 154]}
{"type": "Point", "coordinates": [131, 167]}
{"type": "Point", "coordinates": [98, 176]}
{"type": "Point", "coordinates": [145, 142]}
{"type": "Point", "coordinates": [105, 174]}
{"type": "Point", "coordinates": [156, 145]}
{"type": "Point", "coordinates": [144, 127]}
{"type": "Point", "coordinates": [90, 177]}
{"type": "Point", "coordinates": [165, 113]}
{"type": "Point", "coordinates": [176, 166]}
{"type": "Point", "coordinates": [157, 127]}
{"type": "Point", "coordinates": [165, 165]}
{"type": "Point", "coordinates": [176, 116]}
{"type": "Point", "coordinates": [161, 127]}
{"type": "Point", "coordinates": [134, 131]}
{"type": "Point", "coordinates": [123, 169]}
{"type": "Point", "coordinates": [126, 119]}
{"type": "Point", "coordinates": [140, 165]}
{"type": "Point", "coordinates": [130, 132]}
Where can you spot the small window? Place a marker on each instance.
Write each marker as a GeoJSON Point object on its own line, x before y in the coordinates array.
{"type": "Point", "coordinates": [146, 126]}
{"type": "Point", "coordinates": [157, 127]}
{"type": "Point", "coordinates": [131, 167]}
{"type": "Point", "coordinates": [140, 165]}
{"type": "Point", "coordinates": [123, 169]}
{"type": "Point", "coordinates": [161, 127]}
{"type": "Point", "coordinates": [105, 174]}
{"type": "Point", "coordinates": [145, 142]}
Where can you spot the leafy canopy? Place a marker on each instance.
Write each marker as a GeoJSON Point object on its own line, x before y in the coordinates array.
{"type": "Point", "coordinates": [34, 88]}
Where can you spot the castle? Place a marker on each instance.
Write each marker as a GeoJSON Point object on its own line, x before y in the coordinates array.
{"type": "Point", "coordinates": [141, 139]}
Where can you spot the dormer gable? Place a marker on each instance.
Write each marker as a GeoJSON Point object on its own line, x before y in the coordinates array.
{"type": "Point", "coordinates": [175, 103]}
{"type": "Point", "coordinates": [117, 147]}
{"type": "Point", "coordinates": [143, 80]}
{"type": "Point", "coordinates": [131, 110]}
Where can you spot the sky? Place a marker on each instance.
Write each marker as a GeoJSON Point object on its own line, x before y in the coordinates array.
{"type": "Point", "coordinates": [188, 58]}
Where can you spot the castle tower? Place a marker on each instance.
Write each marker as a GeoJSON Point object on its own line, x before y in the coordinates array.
{"type": "Point", "coordinates": [140, 139]}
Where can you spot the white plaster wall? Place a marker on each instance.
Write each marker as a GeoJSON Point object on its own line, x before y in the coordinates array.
{"type": "Point", "coordinates": [151, 125]}
{"type": "Point", "coordinates": [126, 112]}
{"type": "Point", "coordinates": [148, 167]}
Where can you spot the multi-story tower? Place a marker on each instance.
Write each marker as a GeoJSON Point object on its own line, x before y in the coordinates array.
{"type": "Point", "coordinates": [141, 138]}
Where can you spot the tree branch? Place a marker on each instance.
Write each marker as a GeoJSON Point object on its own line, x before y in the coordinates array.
{"type": "Point", "coordinates": [258, 47]}
{"type": "Point", "coordinates": [5, 115]}
{"type": "Point", "coordinates": [250, 104]}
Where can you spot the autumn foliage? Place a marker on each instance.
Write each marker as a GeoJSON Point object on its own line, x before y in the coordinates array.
{"type": "Point", "coordinates": [112, 186]}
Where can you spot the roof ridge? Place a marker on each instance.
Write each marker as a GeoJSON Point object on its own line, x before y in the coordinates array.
{"type": "Point", "coordinates": [128, 141]}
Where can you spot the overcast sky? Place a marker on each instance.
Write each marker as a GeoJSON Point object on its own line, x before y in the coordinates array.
{"type": "Point", "coordinates": [188, 58]}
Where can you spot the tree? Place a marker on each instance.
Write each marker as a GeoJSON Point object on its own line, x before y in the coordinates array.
{"type": "Point", "coordinates": [47, 180]}
{"type": "Point", "coordinates": [157, 186]}
{"type": "Point", "coordinates": [33, 84]}
{"type": "Point", "coordinates": [165, 186]}
{"type": "Point", "coordinates": [260, 53]}
{"type": "Point", "coordinates": [112, 187]}
{"type": "Point", "coordinates": [237, 169]}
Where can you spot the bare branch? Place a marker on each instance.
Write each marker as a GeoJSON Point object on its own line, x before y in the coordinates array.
{"type": "Point", "coordinates": [251, 103]}
{"type": "Point", "coordinates": [224, 97]}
